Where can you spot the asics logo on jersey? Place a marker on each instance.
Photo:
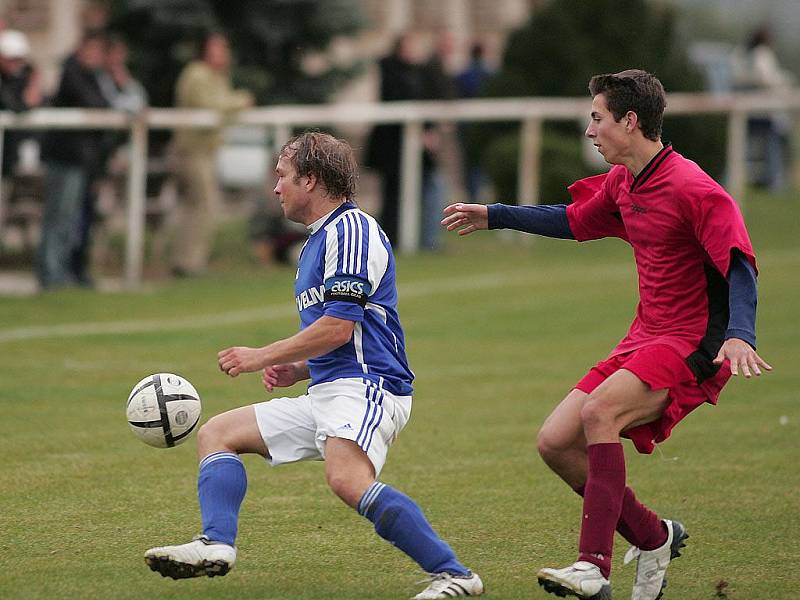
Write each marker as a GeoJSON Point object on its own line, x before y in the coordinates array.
{"type": "Point", "coordinates": [345, 288]}
{"type": "Point", "coordinates": [348, 287]}
{"type": "Point", "coordinates": [310, 297]}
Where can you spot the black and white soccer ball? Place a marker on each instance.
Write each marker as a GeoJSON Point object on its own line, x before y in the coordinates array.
{"type": "Point", "coordinates": [163, 410]}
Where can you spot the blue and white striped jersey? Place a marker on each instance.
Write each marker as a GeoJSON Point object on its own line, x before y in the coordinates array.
{"type": "Point", "coordinates": [347, 270]}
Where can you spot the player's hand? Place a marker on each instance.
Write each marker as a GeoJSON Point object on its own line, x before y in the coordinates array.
{"type": "Point", "coordinates": [467, 217]}
{"type": "Point", "coordinates": [240, 359]}
{"type": "Point", "coordinates": [742, 357]}
{"type": "Point", "coordinates": [280, 376]}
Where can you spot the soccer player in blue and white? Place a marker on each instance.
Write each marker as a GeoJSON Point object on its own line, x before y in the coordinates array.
{"type": "Point", "coordinates": [352, 347]}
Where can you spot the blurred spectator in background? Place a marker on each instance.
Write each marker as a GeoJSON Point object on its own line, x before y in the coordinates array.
{"type": "Point", "coordinates": [437, 84]}
{"type": "Point", "coordinates": [757, 69]}
{"type": "Point", "coordinates": [119, 86]}
{"type": "Point", "coordinates": [74, 159]}
{"type": "Point", "coordinates": [123, 92]}
{"type": "Point", "coordinates": [273, 237]}
{"type": "Point", "coordinates": [400, 80]}
{"type": "Point", "coordinates": [470, 83]}
{"type": "Point", "coordinates": [204, 83]}
{"type": "Point", "coordinates": [20, 90]}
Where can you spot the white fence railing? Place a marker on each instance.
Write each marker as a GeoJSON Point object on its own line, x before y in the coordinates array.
{"type": "Point", "coordinates": [530, 112]}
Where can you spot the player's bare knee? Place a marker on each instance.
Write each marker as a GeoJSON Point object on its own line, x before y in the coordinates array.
{"type": "Point", "coordinates": [209, 430]}
{"type": "Point", "coordinates": [596, 414]}
{"type": "Point", "coordinates": [211, 437]}
{"type": "Point", "coordinates": [343, 487]}
{"type": "Point", "coordinates": [549, 445]}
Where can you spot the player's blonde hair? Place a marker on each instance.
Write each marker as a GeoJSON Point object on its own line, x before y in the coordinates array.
{"type": "Point", "coordinates": [328, 158]}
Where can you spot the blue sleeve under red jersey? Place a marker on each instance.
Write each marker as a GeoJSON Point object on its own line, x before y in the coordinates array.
{"type": "Point", "coordinates": [549, 220]}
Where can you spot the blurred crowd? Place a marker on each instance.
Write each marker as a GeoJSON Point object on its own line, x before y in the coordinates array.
{"type": "Point", "coordinates": [66, 171]}
{"type": "Point", "coordinates": [69, 167]}
{"type": "Point", "coordinates": [755, 67]}
{"type": "Point", "coordinates": [62, 172]}
{"type": "Point", "coordinates": [408, 74]}
{"type": "Point", "coordinates": [62, 167]}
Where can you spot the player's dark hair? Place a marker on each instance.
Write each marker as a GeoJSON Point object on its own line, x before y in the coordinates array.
{"type": "Point", "coordinates": [636, 91]}
{"type": "Point", "coordinates": [328, 158]}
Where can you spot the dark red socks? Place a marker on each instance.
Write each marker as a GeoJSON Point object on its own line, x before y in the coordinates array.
{"type": "Point", "coordinates": [640, 525]}
{"type": "Point", "coordinates": [602, 504]}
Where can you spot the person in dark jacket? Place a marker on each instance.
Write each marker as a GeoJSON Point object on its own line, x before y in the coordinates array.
{"type": "Point", "coordinates": [74, 159]}
{"type": "Point", "coordinates": [437, 84]}
{"type": "Point", "coordinates": [470, 84]}
{"type": "Point", "coordinates": [401, 79]}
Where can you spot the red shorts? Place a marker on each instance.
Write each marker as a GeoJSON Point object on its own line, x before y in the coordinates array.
{"type": "Point", "coordinates": [660, 367]}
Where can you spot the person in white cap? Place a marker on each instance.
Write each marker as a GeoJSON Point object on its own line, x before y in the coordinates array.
{"type": "Point", "coordinates": [20, 89]}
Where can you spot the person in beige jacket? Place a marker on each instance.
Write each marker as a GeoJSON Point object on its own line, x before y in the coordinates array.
{"type": "Point", "coordinates": [203, 83]}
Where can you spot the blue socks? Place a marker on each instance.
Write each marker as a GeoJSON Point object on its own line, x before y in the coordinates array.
{"type": "Point", "coordinates": [221, 486]}
{"type": "Point", "coordinates": [222, 483]}
{"type": "Point", "coordinates": [399, 520]}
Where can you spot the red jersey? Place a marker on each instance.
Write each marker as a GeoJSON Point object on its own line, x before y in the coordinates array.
{"type": "Point", "coordinates": [682, 226]}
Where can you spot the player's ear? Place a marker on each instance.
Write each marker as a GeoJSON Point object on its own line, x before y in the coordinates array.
{"type": "Point", "coordinates": [311, 182]}
{"type": "Point", "coordinates": [631, 121]}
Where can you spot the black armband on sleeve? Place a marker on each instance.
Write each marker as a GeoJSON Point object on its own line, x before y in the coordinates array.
{"type": "Point", "coordinates": [346, 288]}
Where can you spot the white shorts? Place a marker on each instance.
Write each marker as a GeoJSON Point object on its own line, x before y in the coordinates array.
{"type": "Point", "coordinates": [354, 409]}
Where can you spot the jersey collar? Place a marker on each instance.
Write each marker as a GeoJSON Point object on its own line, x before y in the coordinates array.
{"type": "Point", "coordinates": [651, 167]}
{"type": "Point", "coordinates": [325, 219]}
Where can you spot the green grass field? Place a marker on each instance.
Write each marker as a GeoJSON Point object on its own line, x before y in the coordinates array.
{"type": "Point", "coordinates": [498, 330]}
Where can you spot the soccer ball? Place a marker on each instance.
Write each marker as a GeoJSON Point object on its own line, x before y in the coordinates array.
{"type": "Point", "coordinates": [163, 410]}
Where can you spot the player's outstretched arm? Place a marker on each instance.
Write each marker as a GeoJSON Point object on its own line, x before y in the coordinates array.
{"type": "Point", "coordinates": [284, 375]}
{"type": "Point", "coordinates": [549, 220]}
{"type": "Point", "coordinates": [742, 358]}
{"type": "Point", "coordinates": [467, 217]}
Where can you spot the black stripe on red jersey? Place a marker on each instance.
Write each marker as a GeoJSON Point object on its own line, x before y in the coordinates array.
{"type": "Point", "coordinates": [701, 361]}
{"type": "Point", "coordinates": [651, 167]}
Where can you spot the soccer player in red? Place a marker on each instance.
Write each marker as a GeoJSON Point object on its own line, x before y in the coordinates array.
{"type": "Point", "coordinates": [694, 325]}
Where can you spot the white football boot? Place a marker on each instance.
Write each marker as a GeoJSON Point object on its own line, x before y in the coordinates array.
{"type": "Point", "coordinates": [199, 557]}
{"type": "Point", "coordinates": [582, 579]}
{"type": "Point", "coordinates": [651, 565]}
{"type": "Point", "coordinates": [445, 585]}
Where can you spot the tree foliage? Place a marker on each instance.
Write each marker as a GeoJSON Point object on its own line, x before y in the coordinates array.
{"type": "Point", "coordinates": [558, 51]}
{"type": "Point", "coordinates": [269, 39]}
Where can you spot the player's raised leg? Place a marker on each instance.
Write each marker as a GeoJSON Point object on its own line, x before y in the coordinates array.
{"type": "Point", "coordinates": [221, 486]}
{"type": "Point", "coordinates": [398, 519]}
